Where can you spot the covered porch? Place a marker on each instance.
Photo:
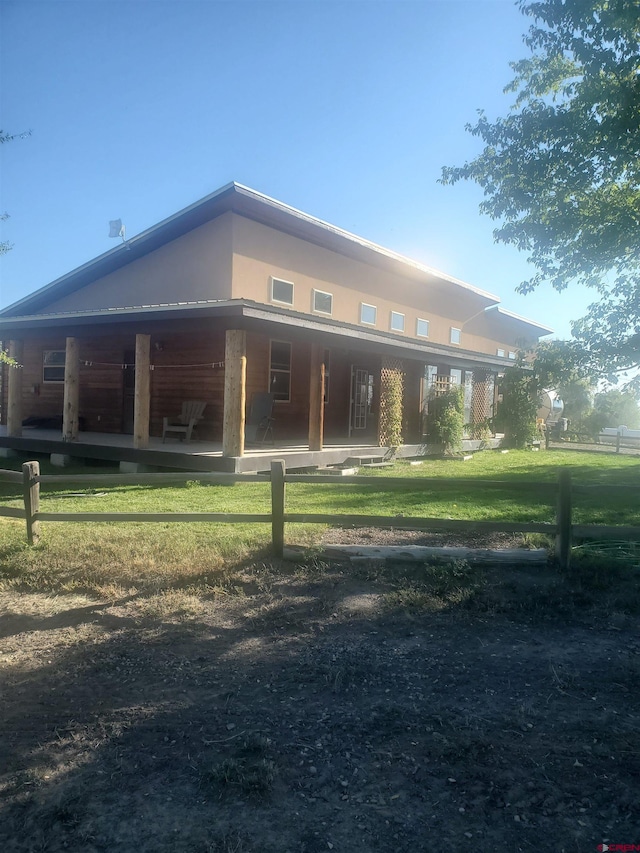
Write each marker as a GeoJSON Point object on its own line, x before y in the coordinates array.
{"type": "Point", "coordinates": [104, 384]}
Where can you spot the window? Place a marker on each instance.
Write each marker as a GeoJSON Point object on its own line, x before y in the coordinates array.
{"type": "Point", "coordinates": [397, 322]}
{"type": "Point", "coordinates": [454, 335]}
{"type": "Point", "coordinates": [280, 371]}
{"type": "Point", "coordinates": [500, 353]}
{"type": "Point", "coordinates": [322, 302]}
{"type": "Point", "coordinates": [422, 328]}
{"type": "Point", "coordinates": [512, 355]}
{"type": "Point", "coordinates": [281, 291]}
{"type": "Point", "coordinates": [368, 314]}
{"type": "Point", "coordinates": [53, 365]}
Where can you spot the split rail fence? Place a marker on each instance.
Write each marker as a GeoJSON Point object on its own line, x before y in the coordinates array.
{"type": "Point", "coordinates": [561, 527]}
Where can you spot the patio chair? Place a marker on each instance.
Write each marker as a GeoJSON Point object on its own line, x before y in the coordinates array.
{"type": "Point", "coordinates": [192, 411]}
{"type": "Point", "coordinates": [260, 421]}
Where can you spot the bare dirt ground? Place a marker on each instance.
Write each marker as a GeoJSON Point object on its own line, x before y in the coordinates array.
{"type": "Point", "coordinates": [322, 708]}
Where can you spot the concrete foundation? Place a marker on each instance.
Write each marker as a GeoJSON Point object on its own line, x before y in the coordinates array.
{"type": "Point", "coordinates": [137, 468]}
{"type": "Point", "coordinates": [9, 453]}
{"type": "Point", "coordinates": [61, 460]}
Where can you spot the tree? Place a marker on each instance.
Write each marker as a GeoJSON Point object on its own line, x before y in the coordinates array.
{"type": "Point", "coordinates": [561, 172]}
{"type": "Point", "coordinates": [617, 408]}
{"type": "Point", "coordinates": [7, 137]}
{"type": "Point", "coordinates": [516, 414]}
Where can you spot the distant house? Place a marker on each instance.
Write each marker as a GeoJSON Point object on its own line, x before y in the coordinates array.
{"type": "Point", "coordinates": [239, 294]}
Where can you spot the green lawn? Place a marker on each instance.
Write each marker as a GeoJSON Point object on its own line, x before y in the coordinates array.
{"type": "Point", "coordinates": [95, 556]}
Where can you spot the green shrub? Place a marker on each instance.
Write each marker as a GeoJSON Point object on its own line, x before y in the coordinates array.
{"type": "Point", "coordinates": [516, 415]}
{"type": "Point", "coordinates": [445, 419]}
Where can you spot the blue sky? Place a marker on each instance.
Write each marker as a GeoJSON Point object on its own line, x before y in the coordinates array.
{"type": "Point", "coordinates": [345, 110]}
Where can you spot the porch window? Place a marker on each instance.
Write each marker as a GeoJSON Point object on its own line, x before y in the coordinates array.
{"type": "Point", "coordinates": [454, 335]}
{"type": "Point", "coordinates": [322, 302]}
{"type": "Point", "coordinates": [327, 370]}
{"type": "Point", "coordinates": [53, 361]}
{"type": "Point", "coordinates": [280, 371]}
{"type": "Point", "coordinates": [422, 328]}
{"type": "Point", "coordinates": [397, 322]}
{"type": "Point", "coordinates": [368, 314]}
{"type": "Point", "coordinates": [281, 291]}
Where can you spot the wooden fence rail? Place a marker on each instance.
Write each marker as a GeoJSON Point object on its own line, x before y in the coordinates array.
{"type": "Point", "coordinates": [561, 527]}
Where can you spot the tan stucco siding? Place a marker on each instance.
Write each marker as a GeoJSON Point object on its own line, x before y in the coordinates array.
{"type": "Point", "coordinates": [194, 267]}
{"type": "Point", "coordinates": [260, 253]}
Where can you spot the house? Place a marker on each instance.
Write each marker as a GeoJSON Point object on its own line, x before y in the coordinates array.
{"type": "Point", "coordinates": [239, 294]}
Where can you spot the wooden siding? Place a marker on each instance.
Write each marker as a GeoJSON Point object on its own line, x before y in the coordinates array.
{"type": "Point", "coordinates": [291, 419]}
{"type": "Point", "coordinates": [183, 371]}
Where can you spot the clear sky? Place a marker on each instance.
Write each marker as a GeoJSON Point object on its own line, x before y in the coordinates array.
{"type": "Point", "coordinates": [345, 110]}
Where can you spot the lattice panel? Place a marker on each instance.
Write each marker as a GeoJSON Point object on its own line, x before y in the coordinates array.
{"type": "Point", "coordinates": [392, 382]}
{"type": "Point", "coordinates": [482, 395]}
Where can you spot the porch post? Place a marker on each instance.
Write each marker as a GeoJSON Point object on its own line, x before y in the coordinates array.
{"type": "Point", "coordinates": [71, 391]}
{"type": "Point", "coordinates": [142, 391]}
{"type": "Point", "coordinates": [316, 398]}
{"type": "Point", "coordinates": [14, 390]}
{"type": "Point", "coordinates": [235, 374]}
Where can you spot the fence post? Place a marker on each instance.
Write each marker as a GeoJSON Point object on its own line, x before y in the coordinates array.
{"type": "Point", "coordinates": [563, 520]}
{"type": "Point", "coordinates": [31, 470]}
{"type": "Point", "coordinates": [618, 437]}
{"type": "Point", "coordinates": [278, 471]}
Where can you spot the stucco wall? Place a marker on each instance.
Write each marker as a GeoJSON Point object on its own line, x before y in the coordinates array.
{"type": "Point", "coordinates": [194, 267]}
{"type": "Point", "coordinates": [260, 252]}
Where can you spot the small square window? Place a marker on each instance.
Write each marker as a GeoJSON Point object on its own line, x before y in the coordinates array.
{"type": "Point", "coordinates": [422, 328]}
{"type": "Point", "coordinates": [500, 353]}
{"type": "Point", "coordinates": [397, 322]}
{"type": "Point", "coordinates": [512, 356]}
{"type": "Point", "coordinates": [368, 314]}
{"type": "Point", "coordinates": [53, 362]}
{"type": "Point", "coordinates": [454, 336]}
{"type": "Point", "coordinates": [322, 302]}
{"type": "Point", "coordinates": [281, 291]}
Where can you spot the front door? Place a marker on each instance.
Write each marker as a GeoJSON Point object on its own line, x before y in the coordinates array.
{"type": "Point", "coordinates": [361, 422]}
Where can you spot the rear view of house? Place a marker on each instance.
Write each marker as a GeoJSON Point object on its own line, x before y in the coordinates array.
{"type": "Point", "coordinates": [240, 295]}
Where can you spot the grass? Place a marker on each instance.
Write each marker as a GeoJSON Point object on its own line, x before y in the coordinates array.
{"type": "Point", "coordinates": [207, 559]}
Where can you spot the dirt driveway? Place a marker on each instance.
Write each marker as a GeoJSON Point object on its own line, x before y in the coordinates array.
{"type": "Point", "coordinates": [309, 709]}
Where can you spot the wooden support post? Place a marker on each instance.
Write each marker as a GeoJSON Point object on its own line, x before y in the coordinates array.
{"type": "Point", "coordinates": [235, 378]}
{"type": "Point", "coordinates": [31, 470]}
{"type": "Point", "coordinates": [278, 471]}
{"type": "Point", "coordinates": [563, 520]}
{"type": "Point", "coordinates": [14, 382]}
{"type": "Point", "coordinates": [316, 398]}
{"type": "Point", "coordinates": [70, 409]}
{"type": "Point", "coordinates": [618, 438]}
{"type": "Point", "coordinates": [142, 402]}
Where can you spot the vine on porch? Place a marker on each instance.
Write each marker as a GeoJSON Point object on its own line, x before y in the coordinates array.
{"type": "Point", "coordinates": [391, 401]}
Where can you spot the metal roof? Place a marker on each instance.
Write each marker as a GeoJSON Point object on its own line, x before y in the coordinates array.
{"type": "Point", "coordinates": [252, 205]}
